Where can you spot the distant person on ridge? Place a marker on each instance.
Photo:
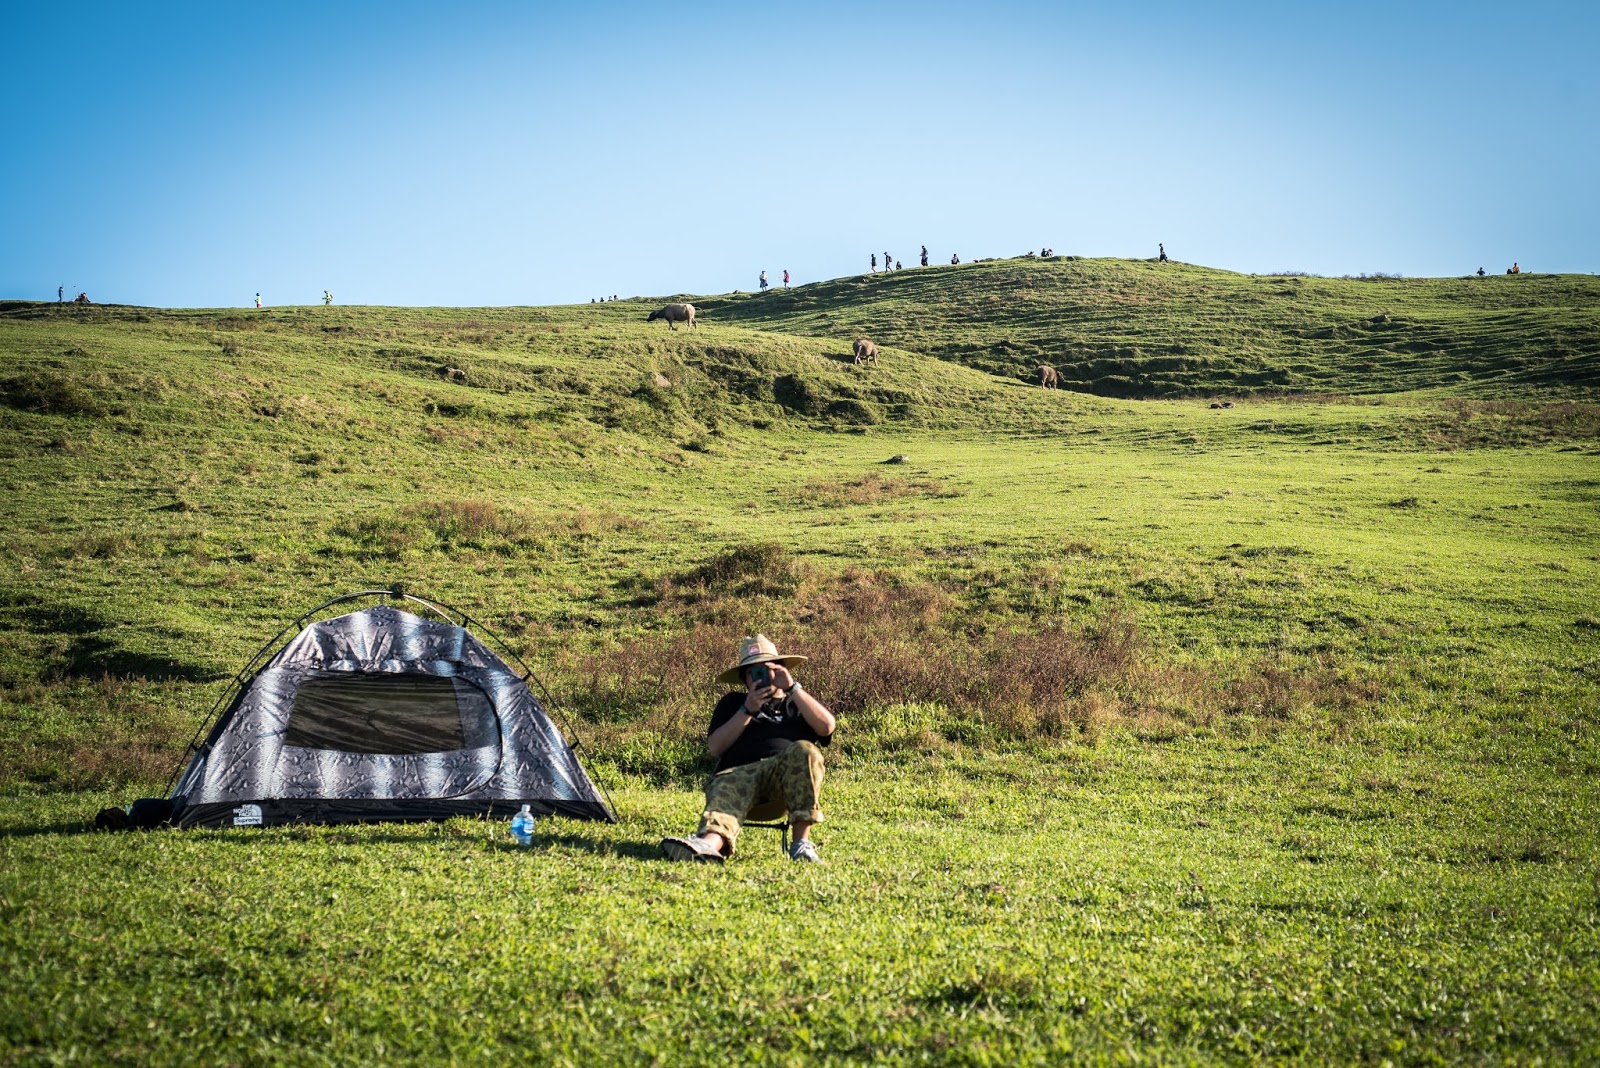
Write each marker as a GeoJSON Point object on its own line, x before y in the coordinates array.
{"type": "Point", "coordinates": [886, 261]}
{"type": "Point", "coordinates": [954, 259]}
{"type": "Point", "coordinates": [1480, 272]}
{"type": "Point", "coordinates": [874, 259]}
{"type": "Point", "coordinates": [1515, 269]}
{"type": "Point", "coordinates": [786, 278]}
{"type": "Point", "coordinates": [61, 294]}
{"type": "Point", "coordinates": [924, 255]}
{"type": "Point", "coordinates": [897, 266]}
{"type": "Point", "coordinates": [769, 764]}
{"type": "Point", "coordinates": [1163, 257]}
{"type": "Point", "coordinates": [327, 298]}
{"type": "Point", "coordinates": [258, 300]}
{"type": "Point", "coordinates": [763, 281]}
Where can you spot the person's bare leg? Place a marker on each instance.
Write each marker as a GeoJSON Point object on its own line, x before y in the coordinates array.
{"type": "Point", "coordinates": [715, 839]}
{"type": "Point", "coordinates": [801, 830]}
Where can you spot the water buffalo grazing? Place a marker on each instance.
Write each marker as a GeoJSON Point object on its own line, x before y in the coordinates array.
{"type": "Point", "coordinates": [674, 313]}
{"type": "Point", "coordinates": [866, 351]}
{"type": "Point", "coordinates": [1049, 377]}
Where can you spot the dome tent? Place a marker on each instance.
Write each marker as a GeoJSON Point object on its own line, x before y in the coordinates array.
{"type": "Point", "coordinates": [380, 715]}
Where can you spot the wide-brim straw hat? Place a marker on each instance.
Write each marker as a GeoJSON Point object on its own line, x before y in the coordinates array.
{"type": "Point", "coordinates": [756, 650]}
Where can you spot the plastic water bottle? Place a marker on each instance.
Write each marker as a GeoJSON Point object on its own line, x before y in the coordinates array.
{"type": "Point", "coordinates": [522, 827]}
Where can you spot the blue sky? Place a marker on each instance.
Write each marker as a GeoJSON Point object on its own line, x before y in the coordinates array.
{"type": "Point", "coordinates": [192, 155]}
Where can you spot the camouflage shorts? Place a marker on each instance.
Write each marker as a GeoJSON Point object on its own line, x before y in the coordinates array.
{"type": "Point", "coordinates": [787, 783]}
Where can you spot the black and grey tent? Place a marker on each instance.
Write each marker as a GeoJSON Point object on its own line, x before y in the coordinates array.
{"type": "Point", "coordinates": [380, 714]}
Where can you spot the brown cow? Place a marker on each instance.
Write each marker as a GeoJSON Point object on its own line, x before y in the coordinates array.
{"type": "Point", "coordinates": [865, 351]}
{"type": "Point", "coordinates": [1049, 377]}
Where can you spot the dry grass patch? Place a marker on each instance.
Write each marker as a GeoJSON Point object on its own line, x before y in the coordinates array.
{"type": "Point", "coordinates": [878, 646]}
{"type": "Point", "coordinates": [454, 525]}
{"type": "Point", "coordinates": [1468, 423]}
{"type": "Point", "coordinates": [135, 739]}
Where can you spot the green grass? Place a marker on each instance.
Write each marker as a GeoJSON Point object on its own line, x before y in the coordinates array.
{"type": "Point", "coordinates": [1184, 903]}
{"type": "Point", "coordinates": [1168, 733]}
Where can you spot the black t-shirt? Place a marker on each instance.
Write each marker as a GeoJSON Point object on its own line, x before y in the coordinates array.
{"type": "Point", "coordinates": [768, 734]}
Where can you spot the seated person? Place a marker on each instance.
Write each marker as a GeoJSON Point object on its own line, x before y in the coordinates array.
{"type": "Point", "coordinates": [768, 762]}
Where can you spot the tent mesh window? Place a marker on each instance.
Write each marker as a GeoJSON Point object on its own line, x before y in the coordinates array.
{"type": "Point", "coordinates": [358, 712]}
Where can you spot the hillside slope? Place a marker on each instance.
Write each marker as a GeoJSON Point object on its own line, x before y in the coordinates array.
{"type": "Point", "coordinates": [1138, 328]}
{"type": "Point", "coordinates": [518, 369]}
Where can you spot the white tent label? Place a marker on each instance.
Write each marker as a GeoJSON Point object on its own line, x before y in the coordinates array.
{"type": "Point", "coordinates": [247, 816]}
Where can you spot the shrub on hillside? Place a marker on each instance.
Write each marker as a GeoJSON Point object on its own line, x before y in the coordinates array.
{"type": "Point", "coordinates": [852, 412]}
{"type": "Point", "coordinates": [50, 393]}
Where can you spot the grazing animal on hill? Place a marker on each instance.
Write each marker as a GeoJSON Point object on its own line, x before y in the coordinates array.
{"type": "Point", "coordinates": [865, 351]}
{"type": "Point", "coordinates": [452, 374]}
{"type": "Point", "coordinates": [674, 313]}
{"type": "Point", "coordinates": [1049, 377]}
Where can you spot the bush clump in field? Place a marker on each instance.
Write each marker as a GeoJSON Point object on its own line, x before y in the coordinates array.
{"type": "Point", "coordinates": [757, 570]}
{"type": "Point", "coordinates": [50, 393]}
{"type": "Point", "coordinates": [98, 545]}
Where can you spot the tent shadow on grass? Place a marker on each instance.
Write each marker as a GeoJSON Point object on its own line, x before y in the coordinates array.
{"type": "Point", "coordinates": [42, 829]}
{"type": "Point", "coordinates": [92, 657]}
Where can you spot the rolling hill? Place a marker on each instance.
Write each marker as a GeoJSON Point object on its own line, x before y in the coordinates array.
{"type": "Point", "coordinates": [1132, 328]}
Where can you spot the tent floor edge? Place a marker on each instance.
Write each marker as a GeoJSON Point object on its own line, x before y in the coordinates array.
{"type": "Point", "coordinates": [279, 812]}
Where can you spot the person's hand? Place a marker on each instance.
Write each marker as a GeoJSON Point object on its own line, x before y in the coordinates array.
{"type": "Point", "coordinates": [781, 679]}
{"type": "Point", "coordinates": [757, 698]}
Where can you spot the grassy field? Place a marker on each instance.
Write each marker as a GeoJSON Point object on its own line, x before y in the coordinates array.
{"type": "Point", "coordinates": [1169, 733]}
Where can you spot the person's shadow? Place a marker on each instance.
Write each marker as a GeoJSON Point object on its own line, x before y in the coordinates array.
{"type": "Point", "coordinates": [601, 847]}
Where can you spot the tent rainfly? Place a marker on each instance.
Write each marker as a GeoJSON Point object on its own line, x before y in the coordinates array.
{"type": "Point", "coordinates": [381, 715]}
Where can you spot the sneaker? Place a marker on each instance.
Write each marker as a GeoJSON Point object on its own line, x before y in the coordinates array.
{"type": "Point", "coordinates": [806, 850]}
{"type": "Point", "coordinates": [691, 848]}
